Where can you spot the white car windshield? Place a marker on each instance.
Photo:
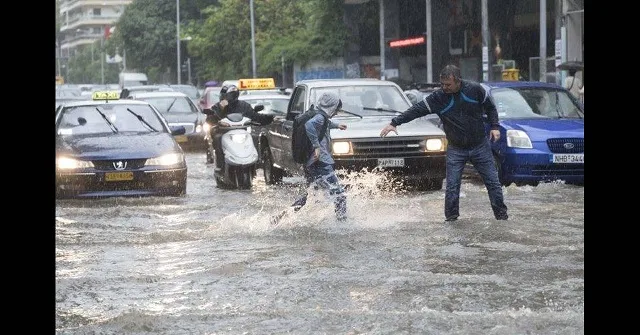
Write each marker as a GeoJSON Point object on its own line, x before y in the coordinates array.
{"type": "Point", "coordinates": [117, 118]}
{"type": "Point", "coordinates": [367, 100]}
{"type": "Point", "coordinates": [526, 102]}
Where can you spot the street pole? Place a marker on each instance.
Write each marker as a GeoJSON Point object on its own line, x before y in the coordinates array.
{"type": "Point", "coordinates": [253, 41]}
{"type": "Point", "coordinates": [178, 40]}
{"type": "Point", "coordinates": [102, 55]}
{"type": "Point", "coordinates": [282, 60]}
{"type": "Point", "coordinates": [189, 70]}
{"type": "Point", "coordinates": [429, 36]}
{"type": "Point", "coordinates": [382, 43]}
{"type": "Point", "coordinates": [543, 41]}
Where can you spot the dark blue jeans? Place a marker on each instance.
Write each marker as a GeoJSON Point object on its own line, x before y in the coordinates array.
{"type": "Point", "coordinates": [323, 177]}
{"type": "Point", "coordinates": [482, 159]}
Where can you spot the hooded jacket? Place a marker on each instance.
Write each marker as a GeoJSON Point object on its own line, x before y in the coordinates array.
{"type": "Point", "coordinates": [461, 114]}
{"type": "Point", "coordinates": [327, 106]}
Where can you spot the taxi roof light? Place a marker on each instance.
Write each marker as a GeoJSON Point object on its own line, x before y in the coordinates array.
{"type": "Point", "coordinates": [105, 95]}
{"type": "Point", "coordinates": [256, 84]}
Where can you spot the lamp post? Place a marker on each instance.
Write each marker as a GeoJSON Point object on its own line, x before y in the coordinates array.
{"type": "Point", "coordinates": [178, 40]}
{"type": "Point", "coordinates": [253, 41]}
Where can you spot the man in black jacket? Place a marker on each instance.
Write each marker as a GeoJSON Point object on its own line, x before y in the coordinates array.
{"type": "Point", "coordinates": [228, 104]}
{"type": "Point", "coordinates": [460, 104]}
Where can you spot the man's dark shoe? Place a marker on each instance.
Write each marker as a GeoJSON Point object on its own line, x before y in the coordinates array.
{"type": "Point", "coordinates": [502, 217]}
{"type": "Point", "coordinates": [453, 218]}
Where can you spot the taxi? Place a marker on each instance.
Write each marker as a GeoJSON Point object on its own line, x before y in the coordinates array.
{"type": "Point", "coordinates": [108, 147]}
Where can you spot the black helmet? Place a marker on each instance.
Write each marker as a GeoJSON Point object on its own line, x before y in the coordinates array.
{"type": "Point", "coordinates": [223, 92]}
{"type": "Point", "coordinates": [232, 93]}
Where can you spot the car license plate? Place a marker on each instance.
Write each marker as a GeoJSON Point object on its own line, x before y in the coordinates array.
{"type": "Point", "coordinates": [181, 138]}
{"type": "Point", "coordinates": [390, 162]}
{"type": "Point", "coordinates": [118, 176]}
{"type": "Point", "coordinates": [568, 158]}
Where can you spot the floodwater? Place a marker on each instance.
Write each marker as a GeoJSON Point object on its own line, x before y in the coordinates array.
{"type": "Point", "coordinates": [211, 262]}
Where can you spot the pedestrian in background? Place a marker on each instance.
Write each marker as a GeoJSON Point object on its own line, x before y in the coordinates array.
{"type": "Point", "coordinates": [573, 84]}
{"type": "Point", "coordinates": [318, 169]}
{"type": "Point", "coordinates": [460, 105]}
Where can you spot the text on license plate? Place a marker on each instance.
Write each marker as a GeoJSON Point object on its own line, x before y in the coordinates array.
{"type": "Point", "coordinates": [181, 138]}
{"type": "Point", "coordinates": [118, 176]}
{"type": "Point", "coordinates": [568, 158]}
{"type": "Point", "coordinates": [390, 162]}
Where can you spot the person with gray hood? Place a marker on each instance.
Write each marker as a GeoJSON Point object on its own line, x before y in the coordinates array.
{"type": "Point", "coordinates": [318, 169]}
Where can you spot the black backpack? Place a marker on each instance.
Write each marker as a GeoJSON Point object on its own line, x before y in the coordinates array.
{"type": "Point", "coordinates": [300, 143]}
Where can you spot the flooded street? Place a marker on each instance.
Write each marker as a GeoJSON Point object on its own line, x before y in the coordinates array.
{"type": "Point", "coordinates": [211, 262]}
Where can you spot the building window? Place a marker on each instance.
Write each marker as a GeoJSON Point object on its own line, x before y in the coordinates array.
{"type": "Point", "coordinates": [97, 11]}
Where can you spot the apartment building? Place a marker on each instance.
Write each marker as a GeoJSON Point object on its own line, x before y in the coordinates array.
{"type": "Point", "coordinates": [83, 22]}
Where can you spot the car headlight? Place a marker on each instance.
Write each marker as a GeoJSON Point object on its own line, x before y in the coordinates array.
{"type": "Point", "coordinates": [341, 148]}
{"type": "Point", "coordinates": [168, 159]}
{"type": "Point", "coordinates": [66, 163]}
{"type": "Point", "coordinates": [199, 128]}
{"type": "Point", "coordinates": [518, 139]}
{"type": "Point", "coordinates": [434, 144]}
{"type": "Point", "coordinates": [239, 138]}
{"type": "Point", "coordinates": [206, 127]}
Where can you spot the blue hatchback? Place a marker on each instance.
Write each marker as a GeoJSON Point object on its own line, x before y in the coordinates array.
{"type": "Point", "coordinates": [542, 133]}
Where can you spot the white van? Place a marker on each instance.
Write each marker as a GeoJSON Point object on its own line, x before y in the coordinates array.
{"type": "Point", "coordinates": [128, 79]}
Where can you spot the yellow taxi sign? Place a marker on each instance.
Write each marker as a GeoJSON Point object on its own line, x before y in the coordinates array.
{"type": "Point", "coordinates": [256, 84]}
{"type": "Point", "coordinates": [105, 95]}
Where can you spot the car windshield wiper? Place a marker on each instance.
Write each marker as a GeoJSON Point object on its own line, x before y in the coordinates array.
{"type": "Point", "coordinates": [347, 112]}
{"type": "Point", "coordinates": [171, 105]}
{"type": "Point", "coordinates": [141, 119]}
{"type": "Point", "coordinates": [111, 125]}
{"type": "Point", "coordinates": [380, 109]}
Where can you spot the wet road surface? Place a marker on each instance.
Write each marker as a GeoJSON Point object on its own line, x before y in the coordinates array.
{"type": "Point", "coordinates": [211, 263]}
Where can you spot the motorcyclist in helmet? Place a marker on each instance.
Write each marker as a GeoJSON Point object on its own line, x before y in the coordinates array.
{"type": "Point", "coordinates": [228, 104]}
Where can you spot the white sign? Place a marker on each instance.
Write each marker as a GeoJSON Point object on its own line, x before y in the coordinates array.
{"type": "Point", "coordinates": [558, 52]}
{"type": "Point", "coordinates": [391, 73]}
{"type": "Point", "coordinates": [485, 58]}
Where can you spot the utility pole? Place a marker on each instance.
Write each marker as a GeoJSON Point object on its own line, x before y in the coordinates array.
{"type": "Point", "coordinates": [382, 43]}
{"type": "Point", "coordinates": [485, 40]}
{"type": "Point", "coordinates": [428, 37]}
{"type": "Point", "coordinates": [253, 41]}
{"type": "Point", "coordinates": [189, 70]}
{"type": "Point", "coordinates": [543, 41]}
{"type": "Point", "coordinates": [178, 39]}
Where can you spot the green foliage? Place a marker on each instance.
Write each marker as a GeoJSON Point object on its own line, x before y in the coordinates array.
{"type": "Point", "coordinates": [220, 31]}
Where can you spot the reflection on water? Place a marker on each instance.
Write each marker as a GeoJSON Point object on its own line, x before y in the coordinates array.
{"type": "Point", "coordinates": [211, 262]}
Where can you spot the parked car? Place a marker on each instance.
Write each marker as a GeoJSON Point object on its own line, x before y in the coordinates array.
{"type": "Point", "coordinates": [542, 133]}
{"type": "Point", "coordinates": [179, 110]}
{"type": "Point", "coordinates": [108, 147]}
{"type": "Point", "coordinates": [416, 154]}
{"type": "Point", "coordinates": [128, 91]}
{"type": "Point", "coordinates": [190, 90]}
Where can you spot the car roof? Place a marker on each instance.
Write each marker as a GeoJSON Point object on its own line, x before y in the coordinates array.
{"type": "Point", "coordinates": [87, 102]}
{"type": "Point", "coordinates": [520, 84]}
{"type": "Point", "coordinates": [345, 82]}
{"type": "Point", "coordinates": [264, 96]}
{"type": "Point", "coordinates": [157, 94]}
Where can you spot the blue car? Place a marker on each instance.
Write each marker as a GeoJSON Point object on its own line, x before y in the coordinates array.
{"type": "Point", "coordinates": [542, 133]}
{"type": "Point", "coordinates": [108, 147]}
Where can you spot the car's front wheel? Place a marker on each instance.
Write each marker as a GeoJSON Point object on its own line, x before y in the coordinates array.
{"type": "Point", "coordinates": [272, 174]}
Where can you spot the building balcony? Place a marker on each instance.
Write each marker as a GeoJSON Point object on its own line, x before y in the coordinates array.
{"type": "Point", "coordinates": [88, 20]}
{"type": "Point", "coordinates": [81, 39]}
{"type": "Point", "coordinates": [69, 5]}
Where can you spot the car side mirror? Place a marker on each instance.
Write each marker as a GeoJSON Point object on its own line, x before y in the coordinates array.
{"type": "Point", "coordinates": [258, 108]}
{"type": "Point", "coordinates": [178, 130]}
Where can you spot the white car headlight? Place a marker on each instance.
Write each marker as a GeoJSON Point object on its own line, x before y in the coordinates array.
{"type": "Point", "coordinates": [239, 138]}
{"type": "Point", "coordinates": [168, 159]}
{"type": "Point", "coordinates": [206, 127]}
{"type": "Point", "coordinates": [518, 139]}
{"type": "Point", "coordinates": [433, 144]}
{"type": "Point", "coordinates": [66, 163]}
{"type": "Point", "coordinates": [199, 128]}
{"type": "Point", "coordinates": [341, 148]}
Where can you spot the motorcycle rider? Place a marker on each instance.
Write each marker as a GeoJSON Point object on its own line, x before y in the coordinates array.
{"type": "Point", "coordinates": [228, 104]}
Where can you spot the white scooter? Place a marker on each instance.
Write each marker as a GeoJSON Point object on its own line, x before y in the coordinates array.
{"type": "Point", "coordinates": [240, 154]}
